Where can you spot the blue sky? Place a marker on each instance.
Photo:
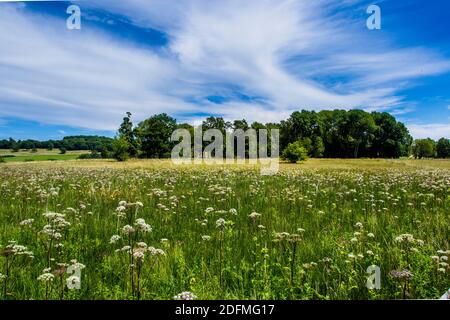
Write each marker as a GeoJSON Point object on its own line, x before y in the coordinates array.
{"type": "Point", "coordinates": [254, 59]}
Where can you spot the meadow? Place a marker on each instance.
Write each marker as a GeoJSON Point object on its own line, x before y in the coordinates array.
{"type": "Point", "coordinates": [147, 229]}
{"type": "Point", "coordinates": [38, 155]}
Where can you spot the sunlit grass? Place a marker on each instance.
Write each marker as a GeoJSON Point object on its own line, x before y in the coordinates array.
{"type": "Point", "coordinates": [309, 232]}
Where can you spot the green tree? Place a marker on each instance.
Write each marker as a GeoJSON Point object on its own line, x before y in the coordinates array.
{"type": "Point", "coordinates": [391, 138]}
{"type": "Point", "coordinates": [424, 148]}
{"type": "Point", "coordinates": [120, 149]}
{"type": "Point", "coordinates": [360, 128]}
{"type": "Point", "coordinates": [295, 152]}
{"type": "Point", "coordinates": [154, 135]}
{"type": "Point", "coordinates": [443, 148]}
{"type": "Point", "coordinates": [127, 133]}
{"type": "Point", "coordinates": [15, 147]}
{"type": "Point", "coordinates": [318, 148]}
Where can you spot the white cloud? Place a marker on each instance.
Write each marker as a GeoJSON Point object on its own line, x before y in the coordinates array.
{"type": "Point", "coordinates": [270, 49]}
{"type": "Point", "coordinates": [434, 130]}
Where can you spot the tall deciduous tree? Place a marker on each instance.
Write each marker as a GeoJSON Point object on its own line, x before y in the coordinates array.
{"type": "Point", "coordinates": [443, 148]}
{"type": "Point", "coordinates": [127, 133]}
{"type": "Point", "coordinates": [154, 135]}
{"type": "Point", "coordinates": [424, 148]}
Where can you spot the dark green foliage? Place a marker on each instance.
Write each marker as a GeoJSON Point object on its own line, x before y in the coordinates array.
{"type": "Point", "coordinates": [154, 136]}
{"type": "Point", "coordinates": [346, 134]}
{"type": "Point", "coordinates": [69, 143]}
{"type": "Point", "coordinates": [120, 149]}
{"type": "Point", "coordinates": [424, 148]}
{"type": "Point", "coordinates": [443, 148]}
{"type": "Point", "coordinates": [96, 155]}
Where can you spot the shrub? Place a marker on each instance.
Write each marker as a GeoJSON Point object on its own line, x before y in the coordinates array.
{"type": "Point", "coordinates": [120, 149]}
{"type": "Point", "coordinates": [295, 152]}
{"type": "Point", "coordinates": [94, 155]}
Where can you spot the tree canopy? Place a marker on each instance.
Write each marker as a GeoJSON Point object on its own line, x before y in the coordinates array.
{"type": "Point", "coordinates": [328, 133]}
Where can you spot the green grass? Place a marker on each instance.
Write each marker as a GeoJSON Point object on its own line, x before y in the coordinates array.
{"type": "Point", "coordinates": [40, 155]}
{"type": "Point", "coordinates": [30, 158]}
{"type": "Point", "coordinates": [312, 240]}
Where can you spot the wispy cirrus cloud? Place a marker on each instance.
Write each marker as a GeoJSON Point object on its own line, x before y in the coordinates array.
{"type": "Point", "coordinates": [280, 55]}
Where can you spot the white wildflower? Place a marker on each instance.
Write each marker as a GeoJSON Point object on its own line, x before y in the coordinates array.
{"type": "Point", "coordinates": [127, 229]}
{"type": "Point", "coordinates": [27, 222]}
{"type": "Point", "coordinates": [185, 296]}
{"type": "Point", "coordinates": [359, 225]}
{"type": "Point", "coordinates": [142, 226]}
{"type": "Point", "coordinates": [46, 277]}
{"type": "Point", "coordinates": [114, 239]}
{"type": "Point", "coordinates": [220, 223]}
{"type": "Point", "coordinates": [254, 215]}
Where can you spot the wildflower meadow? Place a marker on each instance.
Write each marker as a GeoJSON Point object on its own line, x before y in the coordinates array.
{"type": "Point", "coordinates": [151, 230]}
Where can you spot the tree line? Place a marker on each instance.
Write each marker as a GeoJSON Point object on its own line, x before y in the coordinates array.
{"type": "Point", "coordinates": [328, 134]}
{"type": "Point", "coordinates": [92, 143]}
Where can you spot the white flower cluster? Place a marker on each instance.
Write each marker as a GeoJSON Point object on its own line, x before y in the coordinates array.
{"type": "Point", "coordinates": [359, 225]}
{"type": "Point", "coordinates": [142, 226]}
{"type": "Point", "coordinates": [123, 206]}
{"type": "Point", "coordinates": [127, 229]}
{"type": "Point", "coordinates": [409, 239]}
{"type": "Point", "coordinates": [57, 219]}
{"type": "Point", "coordinates": [18, 250]}
{"type": "Point", "coordinates": [254, 215]}
{"type": "Point", "coordinates": [26, 223]}
{"type": "Point", "coordinates": [57, 223]}
{"type": "Point", "coordinates": [220, 223]}
{"type": "Point", "coordinates": [114, 239]}
{"type": "Point", "coordinates": [185, 296]}
{"type": "Point", "coordinates": [139, 255]}
{"type": "Point", "coordinates": [442, 261]}
{"type": "Point", "coordinates": [156, 252]}
{"type": "Point", "coordinates": [46, 277]}
{"type": "Point", "coordinates": [76, 265]}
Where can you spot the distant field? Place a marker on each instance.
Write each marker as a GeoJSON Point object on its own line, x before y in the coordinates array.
{"type": "Point", "coordinates": [40, 155]}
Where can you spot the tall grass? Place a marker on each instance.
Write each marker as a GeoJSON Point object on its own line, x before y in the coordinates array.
{"type": "Point", "coordinates": [226, 233]}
